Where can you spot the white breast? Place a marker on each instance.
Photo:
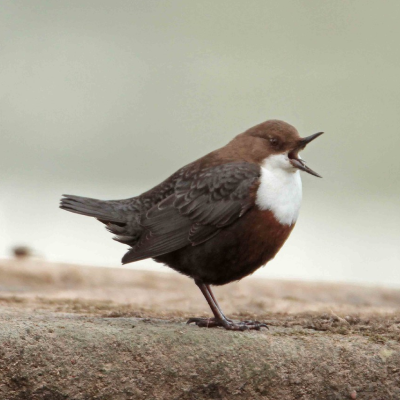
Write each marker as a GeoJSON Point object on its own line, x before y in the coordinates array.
{"type": "Point", "coordinates": [280, 189]}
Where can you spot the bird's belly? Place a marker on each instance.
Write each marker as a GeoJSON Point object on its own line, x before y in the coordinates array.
{"type": "Point", "coordinates": [237, 251]}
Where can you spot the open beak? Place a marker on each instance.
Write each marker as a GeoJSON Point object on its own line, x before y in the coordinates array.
{"type": "Point", "coordinates": [294, 154]}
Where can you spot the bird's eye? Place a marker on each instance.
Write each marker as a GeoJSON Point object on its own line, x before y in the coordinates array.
{"type": "Point", "coordinates": [274, 141]}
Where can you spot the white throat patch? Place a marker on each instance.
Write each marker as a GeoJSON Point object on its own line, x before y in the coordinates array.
{"type": "Point", "coordinates": [280, 189]}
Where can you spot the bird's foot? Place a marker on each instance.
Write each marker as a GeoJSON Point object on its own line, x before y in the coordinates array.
{"type": "Point", "coordinates": [227, 324]}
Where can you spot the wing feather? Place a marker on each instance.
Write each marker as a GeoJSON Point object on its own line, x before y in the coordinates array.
{"type": "Point", "coordinates": [204, 201]}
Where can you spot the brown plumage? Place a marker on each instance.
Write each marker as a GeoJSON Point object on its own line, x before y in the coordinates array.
{"type": "Point", "coordinates": [205, 221]}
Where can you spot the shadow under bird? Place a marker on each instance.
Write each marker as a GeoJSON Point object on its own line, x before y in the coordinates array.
{"type": "Point", "coordinates": [217, 219]}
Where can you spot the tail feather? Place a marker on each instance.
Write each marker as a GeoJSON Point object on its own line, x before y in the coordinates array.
{"type": "Point", "coordinates": [100, 209]}
{"type": "Point", "coordinates": [121, 217]}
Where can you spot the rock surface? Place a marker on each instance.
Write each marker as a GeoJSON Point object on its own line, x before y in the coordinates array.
{"type": "Point", "coordinates": [69, 332]}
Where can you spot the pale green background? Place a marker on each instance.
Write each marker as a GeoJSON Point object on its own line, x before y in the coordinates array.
{"type": "Point", "coordinates": [107, 98]}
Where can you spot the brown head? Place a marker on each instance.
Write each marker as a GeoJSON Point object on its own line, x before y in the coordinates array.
{"type": "Point", "coordinates": [272, 138]}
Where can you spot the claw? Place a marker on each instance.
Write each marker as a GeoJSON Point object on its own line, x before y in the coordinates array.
{"type": "Point", "coordinates": [227, 324]}
{"type": "Point", "coordinates": [190, 320]}
{"type": "Point", "coordinates": [257, 324]}
{"type": "Point", "coordinates": [202, 321]}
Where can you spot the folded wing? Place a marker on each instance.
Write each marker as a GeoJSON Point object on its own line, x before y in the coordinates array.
{"type": "Point", "coordinates": [204, 201]}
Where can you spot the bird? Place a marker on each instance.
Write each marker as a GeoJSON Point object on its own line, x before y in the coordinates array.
{"type": "Point", "coordinates": [217, 219]}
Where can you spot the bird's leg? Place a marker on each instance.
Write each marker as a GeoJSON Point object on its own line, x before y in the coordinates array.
{"type": "Point", "coordinates": [219, 317]}
{"type": "Point", "coordinates": [208, 287]}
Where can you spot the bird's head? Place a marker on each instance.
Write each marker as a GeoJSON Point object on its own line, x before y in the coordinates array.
{"type": "Point", "coordinates": [275, 143]}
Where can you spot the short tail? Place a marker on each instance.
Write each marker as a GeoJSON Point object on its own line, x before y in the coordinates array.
{"type": "Point", "coordinates": [105, 211]}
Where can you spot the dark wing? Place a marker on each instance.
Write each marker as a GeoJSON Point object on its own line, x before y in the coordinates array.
{"type": "Point", "coordinates": [204, 201]}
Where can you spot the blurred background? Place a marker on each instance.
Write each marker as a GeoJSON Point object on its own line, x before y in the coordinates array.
{"type": "Point", "coordinates": [106, 99]}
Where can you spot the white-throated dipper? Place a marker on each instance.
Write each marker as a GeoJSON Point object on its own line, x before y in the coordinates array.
{"type": "Point", "coordinates": [217, 219]}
